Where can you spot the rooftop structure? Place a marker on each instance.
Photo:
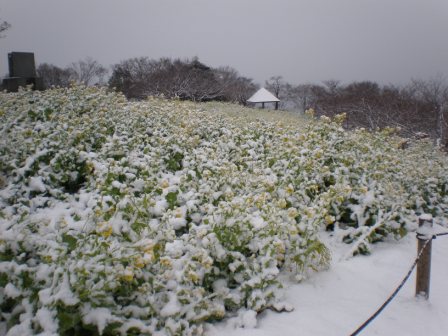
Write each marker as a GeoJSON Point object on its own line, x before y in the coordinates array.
{"type": "Point", "coordinates": [263, 96]}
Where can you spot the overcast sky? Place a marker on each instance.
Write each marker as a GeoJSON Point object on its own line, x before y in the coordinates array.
{"type": "Point", "coordinates": [389, 41]}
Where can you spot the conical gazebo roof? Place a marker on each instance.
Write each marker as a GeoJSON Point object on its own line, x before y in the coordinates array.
{"type": "Point", "coordinates": [263, 96]}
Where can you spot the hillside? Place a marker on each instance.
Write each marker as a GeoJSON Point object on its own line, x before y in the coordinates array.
{"type": "Point", "coordinates": [336, 302]}
{"type": "Point", "coordinates": [122, 217]}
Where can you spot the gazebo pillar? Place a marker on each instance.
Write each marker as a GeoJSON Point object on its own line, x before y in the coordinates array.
{"type": "Point", "coordinates": [263, 96]}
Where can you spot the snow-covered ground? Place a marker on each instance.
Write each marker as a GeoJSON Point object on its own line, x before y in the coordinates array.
{"type": "Point", "coordinates": [337, 301]}
{"type": "Point", "coordinates": [150, 217]}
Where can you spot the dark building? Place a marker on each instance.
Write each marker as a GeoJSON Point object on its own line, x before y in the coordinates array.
{"type": "Point", "coordinates": [22, 72]}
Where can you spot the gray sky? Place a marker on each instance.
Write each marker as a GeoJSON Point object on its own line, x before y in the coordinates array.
{"type": "Point", "coordinates": [389, 41]}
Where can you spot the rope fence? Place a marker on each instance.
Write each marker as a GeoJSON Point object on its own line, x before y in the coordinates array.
{"type": "Point", "coordinates": [422, 250]}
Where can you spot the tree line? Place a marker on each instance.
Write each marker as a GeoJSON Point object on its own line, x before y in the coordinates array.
{"type": "Point", "coordinates": [420, 106]}
{"type": "Point", "coordinates": [87, 72]}
{"type": "Point", "coordinates": [141, 77]}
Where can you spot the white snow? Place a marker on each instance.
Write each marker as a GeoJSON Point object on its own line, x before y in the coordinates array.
{"type": "Point", "coordinates": [336, 302]}
{"type": "Point", "coordinates": [172, 307]}
{"type": "Point", "coordinates": [160, 207]}
{"type": "Point", "coordinates": [12, 291]}
{"type": "Point", "coordinates": [47, 321]}
{"type": "Point", "coordinates": [98, 316]}
{"type": "Point", "coordinates": [426, 217]}
{"type": "Point", "coordinates": [36, 184]}
{"type": "Point", "coordinates": [257, 222]}
{"type": "Point", "coordinates": [65, 294]}
{"type": "Point", "coordinates": [249, 319]}
{"type": "Point", "coordinates": [261, 96]}
{"type": "Point", "coordinates": [174, 249]}
{"type": "Point", "coordinates": [129, 238]}
{"type": "Point", "coordinates": [177, 223]}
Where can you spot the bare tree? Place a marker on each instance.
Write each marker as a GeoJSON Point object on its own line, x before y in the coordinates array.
{"type": "Point", "coordinates": [434, 92]}
{"type": "Point", "coordinates": [332, 85]}
{"type": "Point", "coordinates": [184, 79]}
{"type": "Point", "coordinates": [4, 26]}
{"type": "Point", "coordinates": [233, 87]}
{"type": "Point", "coordinates": [88, 72]}
{"type": "Point", "coordinates": [54, 76]}
{"type": "Point", "coordinates": [133, 77]}
{"type": "Point", "coordinates": [275, 84]}
{"type": "Point", "coordinates": [299, 97]}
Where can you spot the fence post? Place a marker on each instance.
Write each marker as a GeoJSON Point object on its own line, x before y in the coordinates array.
{"type": "Point", "coordinates": [424, 264]}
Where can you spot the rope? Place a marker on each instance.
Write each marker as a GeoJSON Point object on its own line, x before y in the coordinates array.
{"type": "Point", "coordinates": [391, 297]}
{"type": "Point", "coordinates": [425, 237]}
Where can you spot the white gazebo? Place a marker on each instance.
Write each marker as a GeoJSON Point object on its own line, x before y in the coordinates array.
{"type": "Point", "coordinates": [263, 96]}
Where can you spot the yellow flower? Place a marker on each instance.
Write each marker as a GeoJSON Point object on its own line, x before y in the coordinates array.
{"type": "Point", "coordinates": [106, 233]}
{"type": "Point", "coordinates": [90, 167]}
{"type": "Point", "coordinates": [219, 313]}
{"type": "Point", "coordinates": [104, 229]}
{"type": "Point", "coordinates": [260, 200]}
{"type": "Point", "coordinates": [128, 274]}
{"type": "Point", "coordinates": [279, 247]}
{"type": "Point", "coordinates": [27, 133]}
{"type": "Point", "coordinates": [148, 257]}
{"type": "Point", "coordinates": [293, 231]}
{"type": "Point", "coordinates": [292, 212]}
{"type": "Point", "coordinates": [139, 262]}
{"type": "Point", "coordinates": [309, 212]}
{"type": "Point", "coordinates": [179, 213]}
{"type": "Point", "coordinates": [193, 276]}
{"type": "Point", "coordinates": [325, 119]}
{"type": "Point", "coordinates": [165, 261]}
{"type": "Point", "coordinates": [313, 187]}
{"type": "Point", "coordinates": [196, 140]}
{"type": "Point", "coordinates": [339, 118]}
{"type": "Point", "coordinates": [164, 184]}
{"type": "Point", "coordinates": [229, 195]}
{"type": "Point", "coordinates": [329, 219]}
{"type": "Point", "coordinates": [148, 246]}
{"type": "Point", "coordinates": [202, 232]}
{"type": "Point", "coordinates": [63, 223]}
{"type": "Point", "coordinates": [207, 262]}
{"type": "Point", "coordinates": [47, 258]}
{"type": "Point", "coordinates": [310, 112]}
{"type": "Point", "coordinates": [282, 203]}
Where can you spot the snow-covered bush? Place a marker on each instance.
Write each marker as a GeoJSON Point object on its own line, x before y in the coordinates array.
{"type": "Point", "coordinates": [157, 216]}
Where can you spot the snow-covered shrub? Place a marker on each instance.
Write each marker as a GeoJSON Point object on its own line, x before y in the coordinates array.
{"type": "Point", "coordinates": [157, 216]}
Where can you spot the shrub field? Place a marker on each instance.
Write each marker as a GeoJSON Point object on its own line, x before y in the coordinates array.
{"type": "Point", "coordinates": [158, 217]}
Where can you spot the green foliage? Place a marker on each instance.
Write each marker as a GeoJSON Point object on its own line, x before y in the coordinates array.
{"type": "Point", "coordinates": [166, 213]}
{"type": "Point", "coordinates": [171, 198]}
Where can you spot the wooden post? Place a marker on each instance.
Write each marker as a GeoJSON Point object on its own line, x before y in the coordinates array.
{"type": "Point", "coordinates": [424, 264]}
{"type": "Point", "coordinates": [262, 105]}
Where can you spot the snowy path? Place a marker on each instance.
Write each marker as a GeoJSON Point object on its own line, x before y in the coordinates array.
{"type": "Point", "coordinates": [337, 301]}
